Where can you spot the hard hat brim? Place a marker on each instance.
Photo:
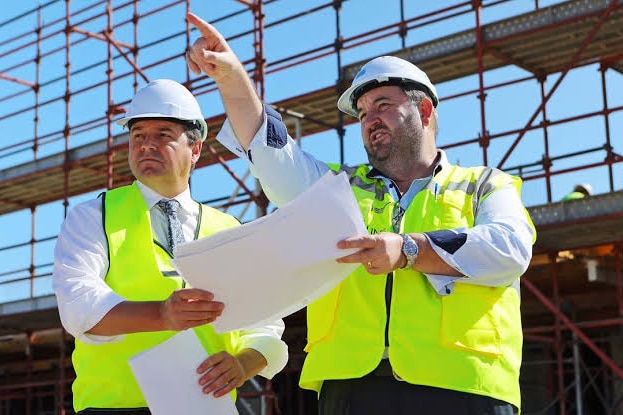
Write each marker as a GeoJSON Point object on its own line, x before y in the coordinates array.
{"type": "Point", "coordinates": [344, 102]}
{"type": "Point", "coordinates": [124, 121]}
{"type": "Point", "coordinates": [347, 102]}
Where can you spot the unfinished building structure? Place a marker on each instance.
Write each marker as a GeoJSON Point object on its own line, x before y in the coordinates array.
{"type": "Point", "coordinates": [534, 89]}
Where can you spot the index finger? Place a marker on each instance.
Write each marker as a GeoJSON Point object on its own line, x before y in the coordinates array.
{"type": "Point", "coordinates": [211, 361]}
{"type": "Point", "coordinates": [206, 29]}
{"type": "Point", "coordinates": [362, 242]}
{"type": "Point", "coordinates": [195, 294]}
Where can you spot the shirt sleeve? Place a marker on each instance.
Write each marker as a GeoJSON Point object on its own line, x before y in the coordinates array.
{"type": "Point", "coordinates": [80, 266]}
{"type": "Point", "coordinates": [495, 252]}
{"type": "Point", "coordinates": [283, 169]}
{"type": "Point", "coordinates": [267, 341]}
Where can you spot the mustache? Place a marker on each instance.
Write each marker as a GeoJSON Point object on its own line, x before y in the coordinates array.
{"type": "Point", "coordinates": [376, 128]}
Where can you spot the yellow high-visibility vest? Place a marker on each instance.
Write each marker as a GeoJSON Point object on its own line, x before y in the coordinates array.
{"type": "Point", "coordinates": [139, 271]}
{"type": "Point", "coordinates": [470, 340]}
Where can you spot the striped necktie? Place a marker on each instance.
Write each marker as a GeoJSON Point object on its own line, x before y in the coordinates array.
{"type": "Point", "coordinates": [175, 235]}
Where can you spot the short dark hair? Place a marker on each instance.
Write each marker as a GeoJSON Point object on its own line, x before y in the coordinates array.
{"type": "Point", "coordinates": [405, 84]}
{"type": "Point", "coordinates": [416, 95]}
{"type": "Point", "coordinates": [192, 130]}
{"type": "Point", "coordinates": [193, 133]}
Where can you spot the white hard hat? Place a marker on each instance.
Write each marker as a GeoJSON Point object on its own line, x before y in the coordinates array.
{"type": "Point", "coordinates": [385, 70]}
{"type": "Point", "coordinates": [585, 188]}
{"type": "Point", "coordinates": [164, 98]}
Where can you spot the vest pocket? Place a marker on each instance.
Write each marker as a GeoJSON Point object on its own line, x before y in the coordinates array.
{"type": "Point", "coordinates": [475, 318]}
{"type": "Point", "coordinates": [321, 317]}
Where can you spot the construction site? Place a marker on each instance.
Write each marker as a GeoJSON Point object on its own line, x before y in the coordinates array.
{"type": "Point", "coordinates": [533, 88]}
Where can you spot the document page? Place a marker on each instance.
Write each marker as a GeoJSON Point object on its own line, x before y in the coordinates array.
{"type": "Point", "coordinates": [273, 266]}
{"type": "Point", "coordinates": [167, 375]}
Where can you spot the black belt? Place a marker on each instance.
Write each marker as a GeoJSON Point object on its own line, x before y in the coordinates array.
{"type": "Point", "coordinates": [383, 369]}
{"type": "Point", "coordinates": [114, 411]}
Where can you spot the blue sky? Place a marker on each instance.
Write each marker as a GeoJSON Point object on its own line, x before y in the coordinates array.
{"type": "Point", "coordinates": [506, 108]}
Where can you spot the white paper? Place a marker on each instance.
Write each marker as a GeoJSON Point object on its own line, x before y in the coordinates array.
{"type": "Point", "coordinates": [167, 375]}
{"type": "Point", "coordinates": [271, 267]}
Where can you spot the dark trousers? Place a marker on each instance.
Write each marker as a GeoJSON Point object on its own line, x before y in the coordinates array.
{"type": "Point", "coordinates": [98, 411]}
{"type": "Point", "coordinates": [384, 395]}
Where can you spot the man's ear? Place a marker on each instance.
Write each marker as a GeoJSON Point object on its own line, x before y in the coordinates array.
{"type": "Point", "coordinates": [426, 110]}
{"type": "Point", "coordinates": [196, 151]}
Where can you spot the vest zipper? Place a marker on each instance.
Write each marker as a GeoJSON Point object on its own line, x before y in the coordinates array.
{"type": "Point", "coordinates": [389, 282]}
{"type": "Point", "coordinates": [389, 285]}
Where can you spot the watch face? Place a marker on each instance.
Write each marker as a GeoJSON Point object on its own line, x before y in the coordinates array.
{"type": "Point", "coordinates": [410, 248]}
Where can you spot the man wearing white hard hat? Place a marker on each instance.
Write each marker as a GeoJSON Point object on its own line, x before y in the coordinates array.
{"type": "Point", "coordinates": [580, 191]}
{"type": "Point", "coordinates": [430, 321]}
{"type": "Point", "coordinates": [117, 291]}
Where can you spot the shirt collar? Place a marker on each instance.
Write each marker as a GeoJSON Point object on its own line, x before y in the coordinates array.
{"type": "Point", "coordinates": [152, 197]}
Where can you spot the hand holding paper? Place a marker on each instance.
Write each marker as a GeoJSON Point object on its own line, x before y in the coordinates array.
{"type": "Point", "coordinates": [190, 307]}
{"type": "Point", "coordinates": [167, 375]}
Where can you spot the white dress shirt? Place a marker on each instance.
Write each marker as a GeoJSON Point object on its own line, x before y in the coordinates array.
{"type": "Point", "coordinates": [81, 264]}
{"type": "Point", "coordinates": [497, 250]}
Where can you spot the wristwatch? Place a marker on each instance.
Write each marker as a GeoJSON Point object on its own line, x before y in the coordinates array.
{"type": "Point", "coordinates": [410, 249]}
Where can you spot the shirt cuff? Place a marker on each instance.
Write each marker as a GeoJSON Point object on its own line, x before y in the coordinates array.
{"type": "Point", "coordinates": [446, 243]}
{"type": "Point", "coordinates": [442, 284]}
{"type": "Point", "coordinates": [228, 139]}
{"type": "Point", "coordinates": [272, 133]}
{"type": "Point", "coordinates": [276, 132]}
{"type": "Point", "coordinates": [274, 350]}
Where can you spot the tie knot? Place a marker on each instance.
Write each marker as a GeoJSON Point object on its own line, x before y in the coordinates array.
{"type": "Point", "coordinates": [169, 206]}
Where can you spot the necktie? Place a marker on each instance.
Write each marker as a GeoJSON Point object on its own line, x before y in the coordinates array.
{"type": "Point", "coordinates": [397, 219]}
{"type": "Point", "coordinates": [175, 235]}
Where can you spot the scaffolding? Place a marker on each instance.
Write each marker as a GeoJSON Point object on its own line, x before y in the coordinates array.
{"type": "Point", "coordinates": [68, 70]}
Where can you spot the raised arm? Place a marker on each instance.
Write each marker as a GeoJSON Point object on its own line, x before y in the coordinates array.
{"type": "Point", "coordinates": [212, 55]}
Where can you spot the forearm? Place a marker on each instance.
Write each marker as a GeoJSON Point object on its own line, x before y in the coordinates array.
{"type": "Point", "coordinates": [428, 261]}
{"type": "Point", "coordinates": [183, 309]}
{"type": "Point", "coordinates": [242, 105]}
{"type": "Point", "coordinates": [130, 317]}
